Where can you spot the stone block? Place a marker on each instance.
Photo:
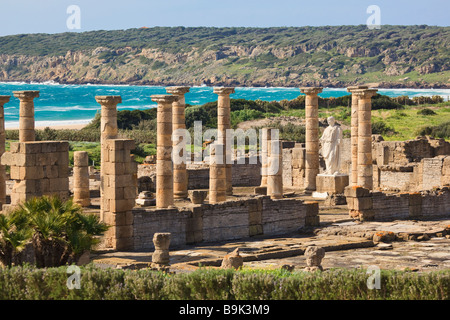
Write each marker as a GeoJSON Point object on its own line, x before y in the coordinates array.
{"type": "Point", "coordinates": [121, 205]}
{"type": "Point", "coordinates": [312, 208]}
{"type": "Point", "coordinates": [261, 190]}
{"type": "Point", "coordinates": [331, 183]}
{"type": "Point", "coordinates": [361, 204]}
{"type": "Point", "coordinates": [255, 229]}
{"type": "Point", "coordinates": [356, 192]}
{"type": "Point", "coordinates": [31, 147]}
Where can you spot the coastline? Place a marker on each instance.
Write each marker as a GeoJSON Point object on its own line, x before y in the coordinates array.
{"type": "Point", "coordinates": [60, 125]}
{"type": "Point", "coordinates": [249, 84]}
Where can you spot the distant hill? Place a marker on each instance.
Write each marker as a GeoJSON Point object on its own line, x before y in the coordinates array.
{"type": "Point", "coordinates": [334, 56]}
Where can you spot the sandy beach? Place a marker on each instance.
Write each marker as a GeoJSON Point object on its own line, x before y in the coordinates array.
{"type": "Point", "coordinates": [67, 126]}
{"type": "Point", "coordinates": [58, 127]}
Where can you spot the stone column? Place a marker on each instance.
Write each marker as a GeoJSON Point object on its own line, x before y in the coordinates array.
{"type": "Point", "coordinates": [223, 124]}
{"type": "Point", "coordinates": [217, 174]}
{"type": "Point", "coordinates": [108, 119]}
{"type": "Point", "coordinates": [365, 168]}
{"type": "Point", "coordinates": [275, 170]}
{"type": "Point", "coordinates": [108, 130]}
{"type": "Point", "coordinates": [3, 100]}
{"type": "Point", "coordinates": [180, 177]}
{"type": "Point", "coordinates": [26, 114]}
{"type": "Point", "coordinates": [266, 137]}
{"type": "Point", "coordinates": [312, 137]}
{"type": "Point", "coordinates": [354, 133]}
{"type": "Point", "coordinates": [164, 165]}
{"type": "Point", "coordinates": [81, 194]}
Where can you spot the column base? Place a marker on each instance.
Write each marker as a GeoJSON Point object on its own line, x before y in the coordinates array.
{"type": "Point", "coordinates": [332, 184]}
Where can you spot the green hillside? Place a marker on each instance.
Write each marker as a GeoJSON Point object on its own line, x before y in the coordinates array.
{"type": "Point", "coordinates": [393, 56]}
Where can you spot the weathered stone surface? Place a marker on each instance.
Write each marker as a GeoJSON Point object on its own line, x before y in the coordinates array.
{"type": "Point", "coordinates": [332, 184]}
{"type": "Point", "coordinates": [314, 256]}
{"type": "Point", "coordinates": [232, 260]}
{"type": "Point", "coordinates": [197, 196]}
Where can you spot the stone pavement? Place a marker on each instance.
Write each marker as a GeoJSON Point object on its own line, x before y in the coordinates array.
{"type": "Point", "coordinates": [348, 244]}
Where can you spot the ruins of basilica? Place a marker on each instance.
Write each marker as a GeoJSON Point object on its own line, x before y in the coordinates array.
{"type": "Point", "coordinates": [378, 180]}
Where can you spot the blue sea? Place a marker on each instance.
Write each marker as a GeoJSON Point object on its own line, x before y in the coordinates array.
{"type": "Point", "coordinates": [61, 104]}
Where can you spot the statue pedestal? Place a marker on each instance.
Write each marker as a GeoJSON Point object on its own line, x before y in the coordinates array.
{"type": "Point", "coordinates": [331, 184]}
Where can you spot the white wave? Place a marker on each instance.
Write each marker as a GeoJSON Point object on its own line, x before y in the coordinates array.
{"type": "Point", "coordinates": [48, 123]}
{"type": "Point", "coordinates": [67, 108]}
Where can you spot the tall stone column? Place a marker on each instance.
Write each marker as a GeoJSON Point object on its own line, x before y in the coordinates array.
{"type": "Point", "coordinates": [108, 130]}
{"type": "Point", "coordinates": [3, 100]}
{"type": "Point", "coordinates": [81, 194]}
{"type": "Point", "coordinates": [275, 170]}
{"type": "Point", "coordinates": [354, 133]}
{"type": "Point", "coordinates": [312, 137]}
{"type": "Point", "coordinates": [365, 168]}
{"type": "Point", "coordinates": [180, 177]}
{"type": "Point", "coordinates": [223, 124]}
{"type": "Point", "coordinates": [217, 174]}
{"type": "Point", "coordinates": [26, 114]}
{"type": "Point", "coordinates": [266, 137]}
{"type": "Point", "coordinates": [164, 165]}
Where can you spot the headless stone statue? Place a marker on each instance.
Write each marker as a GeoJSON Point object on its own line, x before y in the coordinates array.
{"type": "Point", "coordinates": [331, 147]}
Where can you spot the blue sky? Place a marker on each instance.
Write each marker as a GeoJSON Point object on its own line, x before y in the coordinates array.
{"type": "Point", "coordinates": [49, 16]}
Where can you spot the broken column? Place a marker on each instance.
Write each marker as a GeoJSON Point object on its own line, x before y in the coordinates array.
{"type": "Point", "coordinates": [38, 168]}
{"type": "Point", "coordinates": [119, 194]}
{"type": "Point", "coordinates": [275, 171]}
{"type": "Point", "coordinates": [26, 114]}
{"type": "Point", "coordinates": [224, 124]}
{"type": "Point", "coordinates": [217, 174]}
{"type": "Point", "coordinates": [3, 100]}
{"type": "Point", "coordinates": [311, 137]}
{"type": "Point", "coordinates": [161, 255]}
{"type": "Point", "coordinates": [314, 256]}
{"type": "Point", "coordinates": [365, 167]}
{"type": "Point", "coordinates": [164, 165]}
{"type": "Point", "coordinates": [354, 134]}
{"type": "Point", "coordinates": [180, 177]}
{"type": "Point", "coordinates": [81, 193]}
{"type": "Point", "coordinates": [360, 203]}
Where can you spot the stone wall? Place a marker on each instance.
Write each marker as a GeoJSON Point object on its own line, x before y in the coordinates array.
{"type": "Point", "coordinates": [379, 206]}
{"type": "Point", "coordinates": [38, 168]}
{"type": "Point", "coordinates": [412, 165]}
{"type": "Point", "coordinates": [229, 220]}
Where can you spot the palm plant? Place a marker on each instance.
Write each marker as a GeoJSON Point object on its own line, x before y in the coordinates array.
{"type": "Point", "coordinates": [61, 231]}
{"type": "Point", "coordinates": [15, 233]}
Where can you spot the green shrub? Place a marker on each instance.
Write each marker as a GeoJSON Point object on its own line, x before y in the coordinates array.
{"type": "Point", "coordinates": [426, 112]}
{"type": "Point", "coordinates": [217, 284]}
{"type": "Point", "coordinates": [382, 128]}
{"type": "Point", "coordinates": [439, 131]}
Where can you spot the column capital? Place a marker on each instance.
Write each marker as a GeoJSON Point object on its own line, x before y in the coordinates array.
{"type": "Point", "coordinates": [164, 98]}
{"type": "Point", "coordinates": [26, 95]}
{"type": "Point", "coordinates": [223, 90]}
{"type": "Point", "coordinates": [4, 99]}
{"type": "Point", "coordinates": [365, 93]}
{"type": "Point", "coordinates": [108, 100]}
{"type": "Point", "coordinates": [311, 90]}
{"type": "Point", "coordinates": [353, 88]}
{"type": "Point", "coordinates": [177, 90]}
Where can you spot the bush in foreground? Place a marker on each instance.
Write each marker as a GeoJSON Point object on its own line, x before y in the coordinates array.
{"type": "Point", "coordinates": [216, 284]}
